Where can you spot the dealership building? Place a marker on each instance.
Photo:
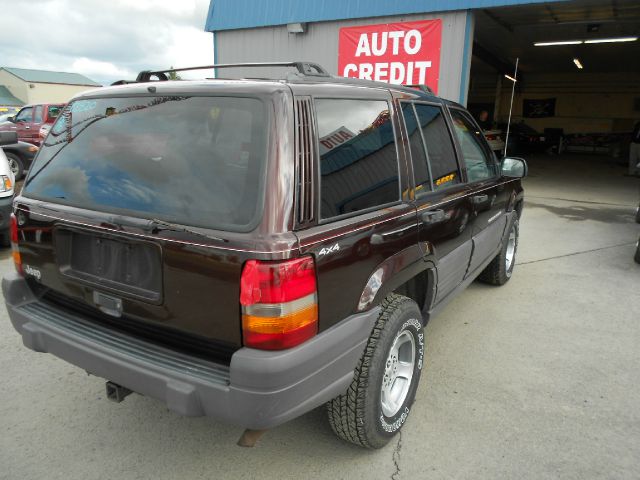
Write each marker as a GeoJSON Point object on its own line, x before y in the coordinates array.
{"type": "Point", "coordinates": [578, 61]}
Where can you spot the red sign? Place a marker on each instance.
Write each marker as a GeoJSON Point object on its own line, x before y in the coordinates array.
{"type": "Point", "coordinates": [402, 53]}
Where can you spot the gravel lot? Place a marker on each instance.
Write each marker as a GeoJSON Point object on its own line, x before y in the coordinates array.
{"type": "Point", "coordinates": [537, 379]}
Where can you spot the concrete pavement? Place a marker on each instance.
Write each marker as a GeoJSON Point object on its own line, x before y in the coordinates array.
{"type": "Point", "coordinates": [536, 379]}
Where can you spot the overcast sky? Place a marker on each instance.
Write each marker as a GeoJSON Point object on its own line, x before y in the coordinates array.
{"type": "Point", "coordinates": [105, 40]}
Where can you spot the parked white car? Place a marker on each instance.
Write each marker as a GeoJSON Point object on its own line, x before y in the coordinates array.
{"type": "Point", "coordinates": [7, 184]}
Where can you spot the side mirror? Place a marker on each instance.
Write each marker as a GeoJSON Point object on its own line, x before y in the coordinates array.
{"type": "Point", "coordinates": [12, 119]}
{"type": "Point", "coordinates": [514, 167]}
{"type": "Point", "coordinates": [7, 138]}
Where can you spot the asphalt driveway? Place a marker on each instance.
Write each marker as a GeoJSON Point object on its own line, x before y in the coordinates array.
{"type": "Point", "coordinates": [536, 379]}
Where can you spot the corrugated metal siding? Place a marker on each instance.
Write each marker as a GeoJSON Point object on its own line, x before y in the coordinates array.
{"type": "Point", "coordinates": [320, 44]}
{"type": "Point", "coordinates": [233, 14]}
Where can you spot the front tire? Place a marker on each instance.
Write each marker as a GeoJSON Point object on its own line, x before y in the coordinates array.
{"type": "Point", "coordinates": [384, 386]}
{"type": "Point", "coordinates": [499, 271]}
{"type": "Point", "coordinates": [15, 164]}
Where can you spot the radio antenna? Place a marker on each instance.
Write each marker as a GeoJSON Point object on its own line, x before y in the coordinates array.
{"type": "Point", "coordinates": [513, 79]}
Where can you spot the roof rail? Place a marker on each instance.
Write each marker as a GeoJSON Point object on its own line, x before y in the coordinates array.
{"type": "Point", "coordinates": [304, 68]}
{"type": "Point", "coordinates": [422, 88]}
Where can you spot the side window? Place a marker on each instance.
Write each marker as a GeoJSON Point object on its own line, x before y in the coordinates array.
{"type": "Point", "coordinates": [37, 114]}
{"type": "Point", "coordinates": [24, 115]}
{"type": "Point", "coordinates": [479, 161]}
{"type": "Point", "coordinates": [422, 177]}
{"type": "Point", "coordinates": [358, 159]}
{"type": "Point", "coordinates": [439, 146]}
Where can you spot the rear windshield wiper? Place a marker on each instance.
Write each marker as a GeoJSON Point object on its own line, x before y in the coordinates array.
{"type": "Point", "coordinates": [156, 225]}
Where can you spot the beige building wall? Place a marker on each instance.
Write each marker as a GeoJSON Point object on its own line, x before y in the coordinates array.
{"type": "Point", "coordinates": [17, 87]}
{"type": "Point", "coordinates": [54, 92]}
{"type": "Point", "coordinates": [31, 92]}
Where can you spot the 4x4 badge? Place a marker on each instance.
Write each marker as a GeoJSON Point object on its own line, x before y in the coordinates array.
{"type": "Point", "coordinates": [328, 250]}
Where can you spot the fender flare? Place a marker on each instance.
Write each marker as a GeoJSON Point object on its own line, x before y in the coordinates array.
{"type": "Point", "coordinates": [394, 272]}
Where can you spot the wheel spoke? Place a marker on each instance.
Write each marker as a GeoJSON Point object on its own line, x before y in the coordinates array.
{"type": "Point", "coordinates": [405, 370]}
{"type": "Point", "coordinates": [398, 373]}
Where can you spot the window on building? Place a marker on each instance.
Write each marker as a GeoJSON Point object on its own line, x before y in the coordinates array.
{"type": "Point", "coordinates": [477, 157]}
{"type": "Point", "coordinates": [358, 158]}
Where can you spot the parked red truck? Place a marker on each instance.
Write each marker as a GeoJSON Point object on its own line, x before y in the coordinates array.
{"type": "Point", "coordinates": [30, 118]}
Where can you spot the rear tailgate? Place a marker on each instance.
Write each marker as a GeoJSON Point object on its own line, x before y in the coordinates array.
{"type": "Point", "coordinates": [142, 209]}
{"type": "Point", "coordinates": [161, 285]}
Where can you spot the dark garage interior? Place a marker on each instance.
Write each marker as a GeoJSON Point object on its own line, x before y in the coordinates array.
{"type": "Point", "coordinates": [582, 97]}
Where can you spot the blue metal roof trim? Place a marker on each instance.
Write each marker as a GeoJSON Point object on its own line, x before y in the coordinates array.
{"type": "Point", "coordinates": [235, 14]}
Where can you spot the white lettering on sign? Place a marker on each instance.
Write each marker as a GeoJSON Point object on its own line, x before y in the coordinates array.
{"type": "Point", "coordinates": [380, 42]}
{"type": "Point", "coordinates": [396, 72]}
{"type": "Point", "coordinates": [398, 53]}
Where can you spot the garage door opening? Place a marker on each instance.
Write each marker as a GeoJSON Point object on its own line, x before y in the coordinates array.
{"type": "Point", "coordinates": [578, 86]}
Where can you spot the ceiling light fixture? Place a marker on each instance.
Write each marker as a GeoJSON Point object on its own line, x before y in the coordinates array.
{"type": "Point", "coordinates": [579, 42]}
{"type": "Point", "coordinates": [510, 77]}
{"type": "Point", "coordinates": [578, 64]}
{"type": "Point", "coordinates": [563, 42]}
{"type": "Point", "coordinates": [612, 40]}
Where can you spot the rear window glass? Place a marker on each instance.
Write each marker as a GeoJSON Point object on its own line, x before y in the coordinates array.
{"type": "Point", "coordinates": [195, 161]}
{"type": "Point", "coordinates": [358, 160]}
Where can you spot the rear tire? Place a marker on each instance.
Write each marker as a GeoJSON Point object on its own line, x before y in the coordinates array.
{"type": "Point", "coordinates": [384, 386]}
{"type": "Point", "coordinates": [499, 271]}
{"type": "Point", "coordinates": [15, 164]}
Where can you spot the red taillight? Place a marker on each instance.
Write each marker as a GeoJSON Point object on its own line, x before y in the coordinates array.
{"type": "Point", "coordinates": [279, 303]}
{"type": "Point", "coordinates": [15, 252]}
{"type": "Point", "coordinates": [491, 137]}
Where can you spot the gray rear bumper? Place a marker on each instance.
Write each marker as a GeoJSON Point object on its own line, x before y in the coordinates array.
{"type": "Point", "coordinates": [260, 389]}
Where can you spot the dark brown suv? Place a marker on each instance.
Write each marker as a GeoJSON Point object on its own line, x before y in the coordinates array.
{"type": "Point", "coordinates": [252, 249]}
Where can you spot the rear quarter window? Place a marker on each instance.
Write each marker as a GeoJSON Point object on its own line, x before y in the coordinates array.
{"type": "Point", "coordinates": [358, 158]}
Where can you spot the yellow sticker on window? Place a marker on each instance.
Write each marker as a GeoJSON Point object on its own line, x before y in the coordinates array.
{"type": "Point", "coordinates": [445, 179]}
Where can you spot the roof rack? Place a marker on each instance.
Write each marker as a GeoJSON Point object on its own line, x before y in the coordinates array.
{"type": "Point", "coordinates": [304, 68]}
{"type": "Point", "coordinates": [422, 88]}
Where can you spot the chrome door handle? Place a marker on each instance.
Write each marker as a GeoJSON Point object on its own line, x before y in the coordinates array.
{"type": "Point", "coordinates": [379, 238]}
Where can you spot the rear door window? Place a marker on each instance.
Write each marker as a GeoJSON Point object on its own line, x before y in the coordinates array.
{"type": "Point", "coordinates": [37, 114]}
{"type": "Point", "coordinates": [434, 161]}
{"type": "Point", "coordinates": [358, 158]}
{"type": "Point", "coordinates": [477, 156]}
{"type": "Point", "coordinates": [195, 161]}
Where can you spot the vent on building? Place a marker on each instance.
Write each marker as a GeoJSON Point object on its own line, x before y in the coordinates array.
{"type": "Point", "coordinates": [305, 152]}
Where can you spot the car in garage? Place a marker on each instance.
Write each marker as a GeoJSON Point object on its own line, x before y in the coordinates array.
{"type": "Point", "coordinates": [495, 139]}
{"type": "Point", "coordinates": [253, 249]}
{"type": "Point", "coordinates": [524, 139]}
